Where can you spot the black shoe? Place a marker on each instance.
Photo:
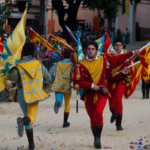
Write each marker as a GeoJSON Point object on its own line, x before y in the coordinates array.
{"type": "Point", "coordinates": [29, 133]}
{"type": "Point", "coordinates": [147, 94]}
{"type": "Point", "coordinates": [143, 94]}
{"type": "Point", "coordinates": [56, 106]}
{"type": "Point", "coordinates": [112, 119]}
{"type": "Point", "coordinates": [118, 123]}
{"type": "Point", "coordinates": [97, 136]}
{"type": "Point", "coordinates": [66, 123]}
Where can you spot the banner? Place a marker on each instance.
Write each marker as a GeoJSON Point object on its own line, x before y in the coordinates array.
{"type": "Point", "coordinates": [36, 38]}
{"type": "Point", "coordinates": [60, 41]}
{"type": "Point", "coordinates": [12, 50]}
{"type": "Point", "coordinates": [100, 43]}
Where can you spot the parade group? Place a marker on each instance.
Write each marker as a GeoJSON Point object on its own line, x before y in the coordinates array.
{"type": "Point", "coordinates": [93, 77]}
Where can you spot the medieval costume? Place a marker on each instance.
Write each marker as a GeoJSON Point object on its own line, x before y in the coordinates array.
{"type": "Point", "coordinates": [61, 75]}
{"type": "Point", "coordinates": [116, 86]}
{"type": "Point", "coordinates": [88, 73]}
{"type": "Point", "coordinates": [30, 76]}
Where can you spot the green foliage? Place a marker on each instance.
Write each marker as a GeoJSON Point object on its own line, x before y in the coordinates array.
{"type": "Point", "coordinates": [110, 7]}
{"type": "Point", "coordinates": [5, 12]}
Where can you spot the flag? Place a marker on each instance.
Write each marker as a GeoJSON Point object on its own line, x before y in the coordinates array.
{"type": "Point", "coordinates": [125, 6]}
{"type": "Point", "coordinates": [136, 72]}
{"type": "Point", "coordinates": [0, 37]}
{"type": "Point", "coordinates": [100, 43]}
{"type": "Point", "coordinates": [60, 41]}
{"type": "Point", "coordinates": [107, 44]}
{"type": "Point", "coordinates": [1, 48]}
{"type": "Point", "coordinates": [139, 71]}
{"type": "Point", "coordinates": [74, 57]}
{"type": "Point", "coordinates": [12, 50]}
{"type": "Point", "coordinates": [79, 47]}
{"type": "Point", "coordinates": [71, 34]}
{"type": "Point", "coordinates": [36, 38]}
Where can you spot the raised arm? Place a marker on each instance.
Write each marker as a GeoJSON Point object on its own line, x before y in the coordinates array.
{"type": "Point", "coordinates": [117, 60]}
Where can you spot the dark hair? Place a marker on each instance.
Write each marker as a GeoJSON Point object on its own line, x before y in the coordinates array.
{"type": "Point", "coordinates": [3, 40]}
{"type": "Point", "coordinates": [41, 45]}
{"type": "Point", "coordinates": [67, 53]}
{"type": "Point", "coordinates": [92, 43]}
{"type": "Point", "coordinates": [118, 40]}
{"type": "Point", "coordinates": [28, 49]}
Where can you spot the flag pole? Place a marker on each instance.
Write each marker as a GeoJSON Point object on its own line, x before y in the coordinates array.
{"type": "Point", "coordinates": [139, 50]}
{"type": "Point", "coordinates": [130, 58]}
{"type": "Point", "coordinates": [127, 67]}
{"type": "Point", "coordinates": [77, 102]}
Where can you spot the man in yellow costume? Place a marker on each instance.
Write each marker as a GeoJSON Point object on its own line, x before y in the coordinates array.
{"type": "Point", "coordinates": [30, 76]}
{"type": "Point", "coordinates": [61, 75]}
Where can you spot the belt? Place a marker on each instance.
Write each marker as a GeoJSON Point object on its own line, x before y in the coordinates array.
{"type": "Point", "coordinates": [90, 92]}
{"type": "Point", "coordinates": [115, 80]}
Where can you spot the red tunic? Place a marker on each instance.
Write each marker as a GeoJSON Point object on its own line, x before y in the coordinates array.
{"type": "Point", "coordinates": [85, 73]}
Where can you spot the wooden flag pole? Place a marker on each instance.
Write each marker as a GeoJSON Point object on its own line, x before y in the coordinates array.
{"type": "Point", "coordinates": [127, 67]}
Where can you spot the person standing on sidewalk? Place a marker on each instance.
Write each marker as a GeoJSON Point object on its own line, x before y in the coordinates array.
{"type": "Point", "coordinates": [145, 89]}
{"type": "Point", "coordinates": [89, 75]}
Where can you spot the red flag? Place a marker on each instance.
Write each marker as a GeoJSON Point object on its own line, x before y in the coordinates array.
{"type": "Point", "coordinates": [139, 71]}
{"type": "Point", "coordinates": [0, 37]}
{"type": "Point", "coordinates": [1, 48]}
{"type": "Point", "coordinates": [35, 37]}
{"type": "Point", "coordinates": [60, 41]}
{"type": "Point", "coordinates": [107, 44]}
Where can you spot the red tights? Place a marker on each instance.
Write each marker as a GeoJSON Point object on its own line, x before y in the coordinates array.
{"type": "Point", "coordinates": [115, 102]}
{"type": "Point", "coordinates": [95, 111]}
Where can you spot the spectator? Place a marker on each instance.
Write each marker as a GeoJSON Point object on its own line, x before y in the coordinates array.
{"type": "Point", "coordinates": [47, 56]}
{"type": "Point", "coordinates": [41, 55]}
{"type": "Point", "coordinates": [4, 36]}
{"type": "Point", "coordinates": [119, 34]}
{"type": "Point", "coordinates": [90, 27]}
{"type": "Point", "coordinates": [126, 33]}
{"type": "Point", "coordinates": [86, 26]}
{"type": "Point", "coordinates": [36, 48]}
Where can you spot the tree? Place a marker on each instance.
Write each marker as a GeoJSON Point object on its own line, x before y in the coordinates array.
{"type": "Point", "coordinates": [5, 12]}
{"type": "Point", "coordinates": [71, 13]}
{"type": "Point", "coordinates": [110, 8]}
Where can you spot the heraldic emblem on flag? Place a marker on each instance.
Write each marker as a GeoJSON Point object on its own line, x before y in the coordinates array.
{"type": "Point", "coordinates": [12, 50]}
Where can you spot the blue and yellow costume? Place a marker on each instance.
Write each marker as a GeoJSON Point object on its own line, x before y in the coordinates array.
{"type": "Point", "coordinates": [61, 74]}
{"type": "Point", "coordinates": [30, 76]}
{"type": "Point", "coordinates": [30, 84]}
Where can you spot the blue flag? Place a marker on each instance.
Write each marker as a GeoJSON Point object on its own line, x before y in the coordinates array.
{"type": "Point", "coordinates": [79, 46]}
{"type": "Point", "coordinates": [100, 43]}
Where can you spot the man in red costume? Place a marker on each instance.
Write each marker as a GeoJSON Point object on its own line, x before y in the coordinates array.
{"type": "Point", "coordinates": [89, 75]}
{"type": "Point", "coordinates": [116, 85]}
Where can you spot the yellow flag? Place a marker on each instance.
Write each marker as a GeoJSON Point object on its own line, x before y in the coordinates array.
{"type": "Point", "coordinates": [12, 50]}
